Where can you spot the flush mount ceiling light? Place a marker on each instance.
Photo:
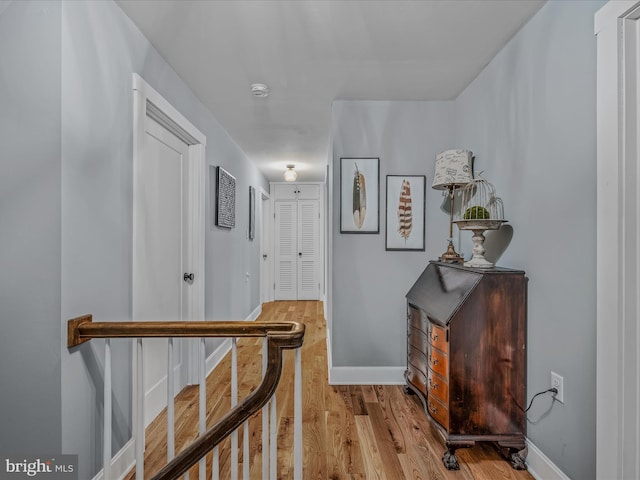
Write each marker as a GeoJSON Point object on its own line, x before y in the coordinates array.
{"type": "Point", "coordinates": [260, 90]}
{"type": "Point", "coordinates": [290, 174]}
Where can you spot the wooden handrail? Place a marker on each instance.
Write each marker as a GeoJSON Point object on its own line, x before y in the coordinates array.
{"type": "Point", "coordinates": [82, 329]}
{"type": "Point", "coordinates": [281, 335]}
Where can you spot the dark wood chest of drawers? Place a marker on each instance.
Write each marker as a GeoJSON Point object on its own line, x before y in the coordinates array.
{"type": "Point", "coordinates": [466, 355]}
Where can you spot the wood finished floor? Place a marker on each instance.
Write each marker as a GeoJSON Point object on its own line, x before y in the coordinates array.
{"type": "Point", "coordinates": [349, 432]}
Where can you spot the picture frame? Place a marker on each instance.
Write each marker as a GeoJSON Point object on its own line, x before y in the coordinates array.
{"type": "Point", "coordinates": [225, 198]}
{"type": "Point", "coordinates": [252, 213]}
{"type": "Point", "coordinates": [360, 195]}
{"type": "Point", "coordinates": [405, 213]}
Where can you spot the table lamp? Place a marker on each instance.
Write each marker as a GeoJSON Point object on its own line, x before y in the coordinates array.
{"type": "Point", "coordinates": [454, 169]}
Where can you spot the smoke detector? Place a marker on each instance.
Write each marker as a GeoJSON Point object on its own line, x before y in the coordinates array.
{"type": "Point", "coordinates": [260, 90]}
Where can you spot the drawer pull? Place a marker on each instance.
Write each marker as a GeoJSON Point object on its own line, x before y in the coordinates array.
{"type": "Point", "coordinates": [433, 386]}
{"type": "Point", "coordinates": [432, 408]}
{"type": "Point", "coordinates": [433, 361]}
{"type": "Point", "coordinates": [434, 337]}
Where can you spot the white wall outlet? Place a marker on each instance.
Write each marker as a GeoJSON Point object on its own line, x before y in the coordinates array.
{"type": "Point", "coordinates": [558, 382]}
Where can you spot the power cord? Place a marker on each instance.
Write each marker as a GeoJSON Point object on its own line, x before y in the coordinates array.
{"type": "Point", "coordinates": [552, 390]}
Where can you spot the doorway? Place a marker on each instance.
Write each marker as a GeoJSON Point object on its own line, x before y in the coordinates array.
{"type": "Point", "coordinates": [168, 238]}
{"type": "Point", "coordinates": [618, 237]}
{"type": "Point", "coordinates": [266, 282]}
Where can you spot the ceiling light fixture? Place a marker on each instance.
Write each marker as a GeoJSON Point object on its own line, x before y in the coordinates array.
{"type": "Point", "coordinates": [290, 174]}
{"type": "Point", "coordinates": [260, 90]}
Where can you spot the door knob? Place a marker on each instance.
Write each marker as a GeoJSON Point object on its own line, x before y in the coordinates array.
{"type": "Point", "coordinates": [264, 256]}
{"type": "Point", "coordinates": [299, 254]}
{"type": "Point", "coordinates": [188, 277]}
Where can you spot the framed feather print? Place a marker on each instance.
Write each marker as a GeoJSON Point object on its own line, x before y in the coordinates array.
{"type": "Point", "coordinates": [359, 195]}
{"type": "Point", "coordinates": [405, 226]}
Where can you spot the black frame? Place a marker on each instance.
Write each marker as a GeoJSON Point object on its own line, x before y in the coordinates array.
{"type": "Point", "coordinates": [252, 213]}
{"type": "Point", "coordinates": [370, 166]}
{"type": "Point", "coordinates": [225, 198]}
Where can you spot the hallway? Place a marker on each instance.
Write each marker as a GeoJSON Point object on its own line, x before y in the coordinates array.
{"type": "Point", "coordinates": [349, 432]}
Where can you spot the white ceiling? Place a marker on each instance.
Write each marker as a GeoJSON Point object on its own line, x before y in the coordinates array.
{"type": "Point", "coordinates": [313, 52]}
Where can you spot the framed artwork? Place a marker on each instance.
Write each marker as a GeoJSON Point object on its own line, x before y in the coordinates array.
{"type": "Point", "coordinates": [252, 213]}
{"type": "Point", "coordinates": [405, 219]}
{"type": "Point", "coordinates": [225, 198]}
{"type": "Point", "coordinates": [359, 195]}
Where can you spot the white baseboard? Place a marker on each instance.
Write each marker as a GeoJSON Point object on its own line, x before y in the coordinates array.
{"type": "Point", "coordinates": [156, 397]}
{"type": "Point", "coordinates": [121, 463]}
{"type": "Point", "coordinates": [225, 347]}
{"type": "Point", "coordinates": [540, 466]}
{"type": "Point", "coordinates": [329, 353]}
{"type": "Point", "coordinates": [218, 354]}
{"type": "Point", "coordinates": [366, 375]}
{"type": "Point", "coordinates": [255, 314]}
{"type": "Point", "coordinates": [362, 375]}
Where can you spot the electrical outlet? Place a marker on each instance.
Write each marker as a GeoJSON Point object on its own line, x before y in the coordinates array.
{"type": "Point", "coordinates": [558, 382]}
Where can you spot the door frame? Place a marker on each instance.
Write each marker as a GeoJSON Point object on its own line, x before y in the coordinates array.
{"type": "Point", "coordinates": [147, 102]}
{"type": "Point", "coordinates": [266, 277]}
{"type": "Point", "coordinates": [618, 241]}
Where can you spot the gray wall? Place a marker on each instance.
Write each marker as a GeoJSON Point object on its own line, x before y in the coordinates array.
{"type": "Point", "coordinates": [30, 331]}
{"type": "Point", "coordinates": [530, 119]}
{"type": "Point", "coordinates": [369, 284]}
{"type": "Point", "coordinates": [65, 211]}
{"type": "Point", "coordinates": [101, 48]}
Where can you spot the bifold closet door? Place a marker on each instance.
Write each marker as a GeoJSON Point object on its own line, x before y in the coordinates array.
{"type": "Point", "coordinates": [297, 250]}
{"type": "Point", "coordinates": [308, 249]}
{"type": "Point", "coordinates": [286, 216]}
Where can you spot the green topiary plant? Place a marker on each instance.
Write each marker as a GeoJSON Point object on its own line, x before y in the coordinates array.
{"type": "Point", "coordinates": [476, 212]}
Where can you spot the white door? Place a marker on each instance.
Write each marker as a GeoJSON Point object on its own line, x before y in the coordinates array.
{"type": "Point", "coordinates": [297, 250]}
{"type": "Point", "coordinates": [286, 221]}
{"type": "Point", "coordinates": [266, 284]}
{"type": "Point", "coordinates": [308, 250]}
{"type": "Point", "coordinates": [161, 254]}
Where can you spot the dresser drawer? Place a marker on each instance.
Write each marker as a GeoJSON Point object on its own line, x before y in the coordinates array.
{"type": "Point", "coordinates": [438, 337]}
{"type": "Point", "coordinates": [438, 411]}
{"type": "Point", "coordinates": [437, 361]}
{"type": "Point", "coordinates": [438, 387]}
{"type": "Point", "coordinates": [417, 358]}
{"type": "Point", "coordinates": [418, 339]}
{"type": "Point", "coordinates": [417, 319]}
{"type": "Point", "coordinates": [417, 378]}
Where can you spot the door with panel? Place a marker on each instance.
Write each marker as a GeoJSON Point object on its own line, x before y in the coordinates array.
{"type": "Point", "coordinates": [161, 255]}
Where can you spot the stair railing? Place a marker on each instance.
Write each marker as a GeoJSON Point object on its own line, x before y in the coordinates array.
{"type": "Point", "coordinates": [276, 338]}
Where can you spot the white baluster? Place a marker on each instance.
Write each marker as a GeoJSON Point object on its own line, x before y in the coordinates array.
{"type": "Point", "coordinates": [297, 417]}
{"type": "Point", "coordinates": [234, 402]}
{"type": "Point", "coordinates": [273, 461]}
{"type": "Point", "coordinates": [171, 448]}
{"type": "Point", "coordinates": [215, 464]}
{"type": "Point", "coordinates": [245, 451]}
{"type": "Point", "coordinates": [203, 404]}
{"type": "Point", "coordinates": [139, 411]}
{"type": "Point", "coordinates": [265, 419]}
{"type": "Point", "coordinates": [106, 437]}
